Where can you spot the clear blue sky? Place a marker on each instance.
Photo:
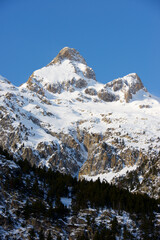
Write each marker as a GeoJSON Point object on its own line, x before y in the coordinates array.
{"type": "Point", "coordinates": [116, 37]}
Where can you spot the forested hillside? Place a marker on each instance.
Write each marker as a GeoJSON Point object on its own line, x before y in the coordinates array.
{"type": "Point", "coordinates": [38, 203]}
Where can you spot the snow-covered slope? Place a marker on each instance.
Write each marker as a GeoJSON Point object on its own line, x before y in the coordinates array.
{"type": "Point", "coordinates": [63, 118]}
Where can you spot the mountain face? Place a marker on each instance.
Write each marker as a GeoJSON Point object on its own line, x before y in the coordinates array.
{"type": "Point", "coordinates": [64, 119]}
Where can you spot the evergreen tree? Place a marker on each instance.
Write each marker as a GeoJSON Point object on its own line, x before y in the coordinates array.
{"type": "Point", "coordinates": [26, 210]}
{"type": "Point", "coordinates": [115, 227]}
{"type": "Point", "coordinates": [49, 237]}
{"type": "Point", "coordinates": [59, 238]}
{"type": "Point", "coordinates": [41, 235]}
{"type": "Point", "coordinates": [88, 218]}
{"type": "Point", "coordinates": [147, 226]}
{"type": "Point", "coordinates": [31, 234]}
{"type": "Point", "coordinates": [35, 187]}
{"type": "Point", "coordinates": [126, 234]}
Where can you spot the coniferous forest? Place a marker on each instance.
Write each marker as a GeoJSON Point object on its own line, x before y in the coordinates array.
{"type": "Point", "coordinates": [42, 190]}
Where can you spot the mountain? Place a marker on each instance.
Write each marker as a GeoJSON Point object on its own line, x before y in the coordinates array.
{"type": "Point", "coordinates": [63, 118]}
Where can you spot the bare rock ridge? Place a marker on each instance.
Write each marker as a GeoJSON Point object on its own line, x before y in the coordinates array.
{"type": "Point", "coordinates": [74, 56]}
{"type": "Point", "coordinates": [63, 118]}
{"type": "Point", "coordinates": [70, 54]}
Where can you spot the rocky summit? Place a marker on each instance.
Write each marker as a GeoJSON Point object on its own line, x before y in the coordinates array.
{"type": "Point", "coordinates": [68, 71]}
{"type": "Point", "coordinates": [63, 118]}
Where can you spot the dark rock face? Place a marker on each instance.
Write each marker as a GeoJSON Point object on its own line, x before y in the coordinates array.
{"type": "Point", "coordinates": [89, 73]}
{"type": "Point", "coordinates": [136, 86]}
{"type": "Point", "coordinates": [81, 83]}
{"type": "Point", "coordinates": [118, 85]}
{"type": "Point", "coordinates": [33, 85]}
{"type": "Point", "coordinates": [115, 84]}
{"type": "Point", "coordinates": [107, 96]}
{"type": "Point", "coordinates": [127, 96]}
{"type": "Point", "coordinates": [30, 155]}
{"type": "Point", "coordinates": [91, 91]}
{"type": "Point", "coordinates": [67, 86]}
{"type": "Point", "coordinates": [54, 88]}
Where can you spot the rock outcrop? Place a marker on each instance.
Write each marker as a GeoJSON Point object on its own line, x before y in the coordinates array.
{"type": "Point", "coordinates": [107, 96]}
{"type": "Point", "coordinates": [122, 88]}
{"type": "Point", "coordinates": [128, 85]}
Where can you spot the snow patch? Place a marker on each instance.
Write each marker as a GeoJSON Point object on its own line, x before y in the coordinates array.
{"type": "Point", "coordinates": [108, 177]}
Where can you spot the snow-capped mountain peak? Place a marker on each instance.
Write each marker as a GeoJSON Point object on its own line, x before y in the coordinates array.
{"type": "Point", "coordinates": [68, 71]}
{"type": "Point", "coordinates": [63, 118]}
{"type": "Point", "coordinates": [68, 54]}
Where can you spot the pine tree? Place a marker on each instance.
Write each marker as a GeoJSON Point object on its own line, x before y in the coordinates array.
{"type": "Point", "coordinates": [49, 237]}
{"type": "Point", "coordinates": [26, 211]}
{"type": "Point", "coordinates": [31, 234]}
{"type": "Point", "coordinates": [59, 238]}
{"type": "Point", "coordinates": [35, 187]}
{"type": "Point", "coordinates": [88, 218]}
{"type": "Point", "coordinates": [41, 235]}
{"type": "Point", "coordinates": [126, 234]}
{"type": "Point", "coordinates": [115, 227]}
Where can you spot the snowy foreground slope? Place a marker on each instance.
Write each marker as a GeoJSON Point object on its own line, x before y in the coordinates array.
{"type": "Point", "coordinates": [64, 119]}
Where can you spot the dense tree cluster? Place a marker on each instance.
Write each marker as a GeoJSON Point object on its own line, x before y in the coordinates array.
{"type": "Point", "coordinates": [97, 194]}
{"type": "Point", "coordinates": [85, 194]}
